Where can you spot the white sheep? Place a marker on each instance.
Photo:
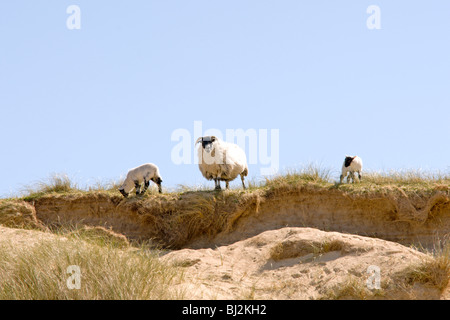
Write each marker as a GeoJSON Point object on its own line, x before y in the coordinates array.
{"type": "Point", "coordinates": [221, 161]}
{"type": "Point", "coordinates": [350, 166]}
{"type": "Point", "coordinates": [142, 174]}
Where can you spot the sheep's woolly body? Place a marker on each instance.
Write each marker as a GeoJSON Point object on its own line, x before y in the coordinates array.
{"type": "Point", "coordinates": [142, 174]}
{"type": "Point", "coordinates": [224, 163]}
{"type": "Point", "coordinates": [351, 165]}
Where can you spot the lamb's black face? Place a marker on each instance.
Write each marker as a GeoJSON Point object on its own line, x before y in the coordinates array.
{"type": "Point", "coordinates": [348, 161]}
{"type": "Point", "coordinates": [158, 180]}
{"type": "Point", "coordinates": [123, 193]}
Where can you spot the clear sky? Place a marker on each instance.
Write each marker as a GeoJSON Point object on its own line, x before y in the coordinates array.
{"type": "Point", "coordinates": [97, 101]}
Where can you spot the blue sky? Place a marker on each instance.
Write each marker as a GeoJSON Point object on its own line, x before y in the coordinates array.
{"type": "Point", "coordinates": [94, 102]}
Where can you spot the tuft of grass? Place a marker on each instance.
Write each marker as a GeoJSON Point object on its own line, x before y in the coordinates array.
{"type": "Point", "coordinates": [55, 183]}
{"type": "Point", "coordinates": [100, 236]}
{"type": "Point", "coordinates": [406, 177]}
{"type": "Point", "coordinates": [294, 178]}
{"type": "Point", "coordinates": [108, 186]}
{"type": "Point", "coordinates": [433, 271]}
{"type": "Point", "coordinates": [292, 249]}
{"type": "Point", "coordinates": [40, 272]}
{"type": "Point", "coordinates": [329, 246]}
{"type": "Point", "coordinates": [182, 188]}
{"type": "Point", "coordinates": [409, 182]}
{"type": "Point", "coordinates": [352, 289]}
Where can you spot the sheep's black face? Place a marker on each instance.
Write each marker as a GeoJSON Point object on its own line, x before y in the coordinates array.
{"type": "Point", "coordinates": [207, 143]}
{"type": "Point", "coordinates": [123, 193]}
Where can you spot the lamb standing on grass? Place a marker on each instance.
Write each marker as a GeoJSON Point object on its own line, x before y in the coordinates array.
{"type": "Point", "coordinates": [136, 176]}
{"type": "Point", "coordinates": [350, 166]}
{"type": "Point", "coordinates": [221, 161]}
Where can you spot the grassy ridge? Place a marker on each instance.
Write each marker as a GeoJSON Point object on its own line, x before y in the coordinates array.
{"type": "Point", "coordinates": [408, 181]}
{"type": "Point", "coordinates": [177, 217]}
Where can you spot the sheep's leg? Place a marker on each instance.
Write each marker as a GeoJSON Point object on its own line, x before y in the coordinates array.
{"type": "Point", "coordinates": [146, 184]}
{"type": "Point", "coordinates": [158, 181]}
{"type": "Point", "coordinates": [137, 186]}
{"type": "Point", "coordinates": [341, 178]}
{"type": "Point", "coordinates": [359, 176]}
{"type": "Point", "coordinates": [217, 182]}
{"type": "Point", "coordinates": [243, 181]}
{"type": "Point", "coordinates": [227, 185]}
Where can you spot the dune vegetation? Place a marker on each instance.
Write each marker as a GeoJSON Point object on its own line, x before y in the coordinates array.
{"type": "Point", "coordinates": [118, 242]}
{"type": "Point", "coordinates": [39, 271]}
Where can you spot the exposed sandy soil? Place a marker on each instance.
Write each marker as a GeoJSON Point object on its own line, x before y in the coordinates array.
{"type": "Point", "coordinates": [247, 269]}
{"type": "Point", "coordinates": [22, 238]}
{"type": "Point", "coordinates": [208, 219]}
{"type": "Point", "coordinates": [289, 263]}
{"type": "Point", "coordinates": [301, 243]}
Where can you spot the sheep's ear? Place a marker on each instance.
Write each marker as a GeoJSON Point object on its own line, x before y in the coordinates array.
{"type": "Point", "coordinates": [199, 140]}
{"type": "Point", "coordinates": [213, 138]}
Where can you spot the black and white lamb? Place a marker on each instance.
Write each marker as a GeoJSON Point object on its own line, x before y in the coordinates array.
{"type": "Point", "coordinates": [349, 167]}
{"type": "Point", "coordinates": [142, 174]}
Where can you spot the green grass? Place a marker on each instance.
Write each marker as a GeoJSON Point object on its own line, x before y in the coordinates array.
{"type": "Point", "coordinates": [40, 272]}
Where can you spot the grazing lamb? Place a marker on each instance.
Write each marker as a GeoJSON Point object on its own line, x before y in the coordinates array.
{"type": "Point", "coordinates": [350, 166]}
{"type": "Point", "coordinates": [221, 161]}
{"type": "Point", "coordinates": [136, 176]}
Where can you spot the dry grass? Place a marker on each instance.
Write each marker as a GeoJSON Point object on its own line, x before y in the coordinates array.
{"type": "Point", "coordinates": [409, 181]}
{"type": "Point", "coordinates": [181, 217]}
{"type": "Point", "coordinates": [352, 289]}
{"type": "Point", "coordinates": [310, 176]}
{"type": "Point", "coordinates": [187, 212]}
{"type": "Point", "coordinates": [113, 269]}
{"type": "Point", "coordinates": [18, 214]}
{"type": "Point", "coordinates": [55, 183]}
{"type": "Point", "coordinates": [433, 271]}
{"type": "Point", "coordinates": [292, 249]}
{"type": "Point", "coordinates": [105, 186]}
{"type": "Point", "coordinates": [100, 236]}
{"type": "Point", "coordinates": [329, 246]}
{"type": "Point", "coordinates": [40, 272]}
{"type": "Point", "coordinates": [406, 177]}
